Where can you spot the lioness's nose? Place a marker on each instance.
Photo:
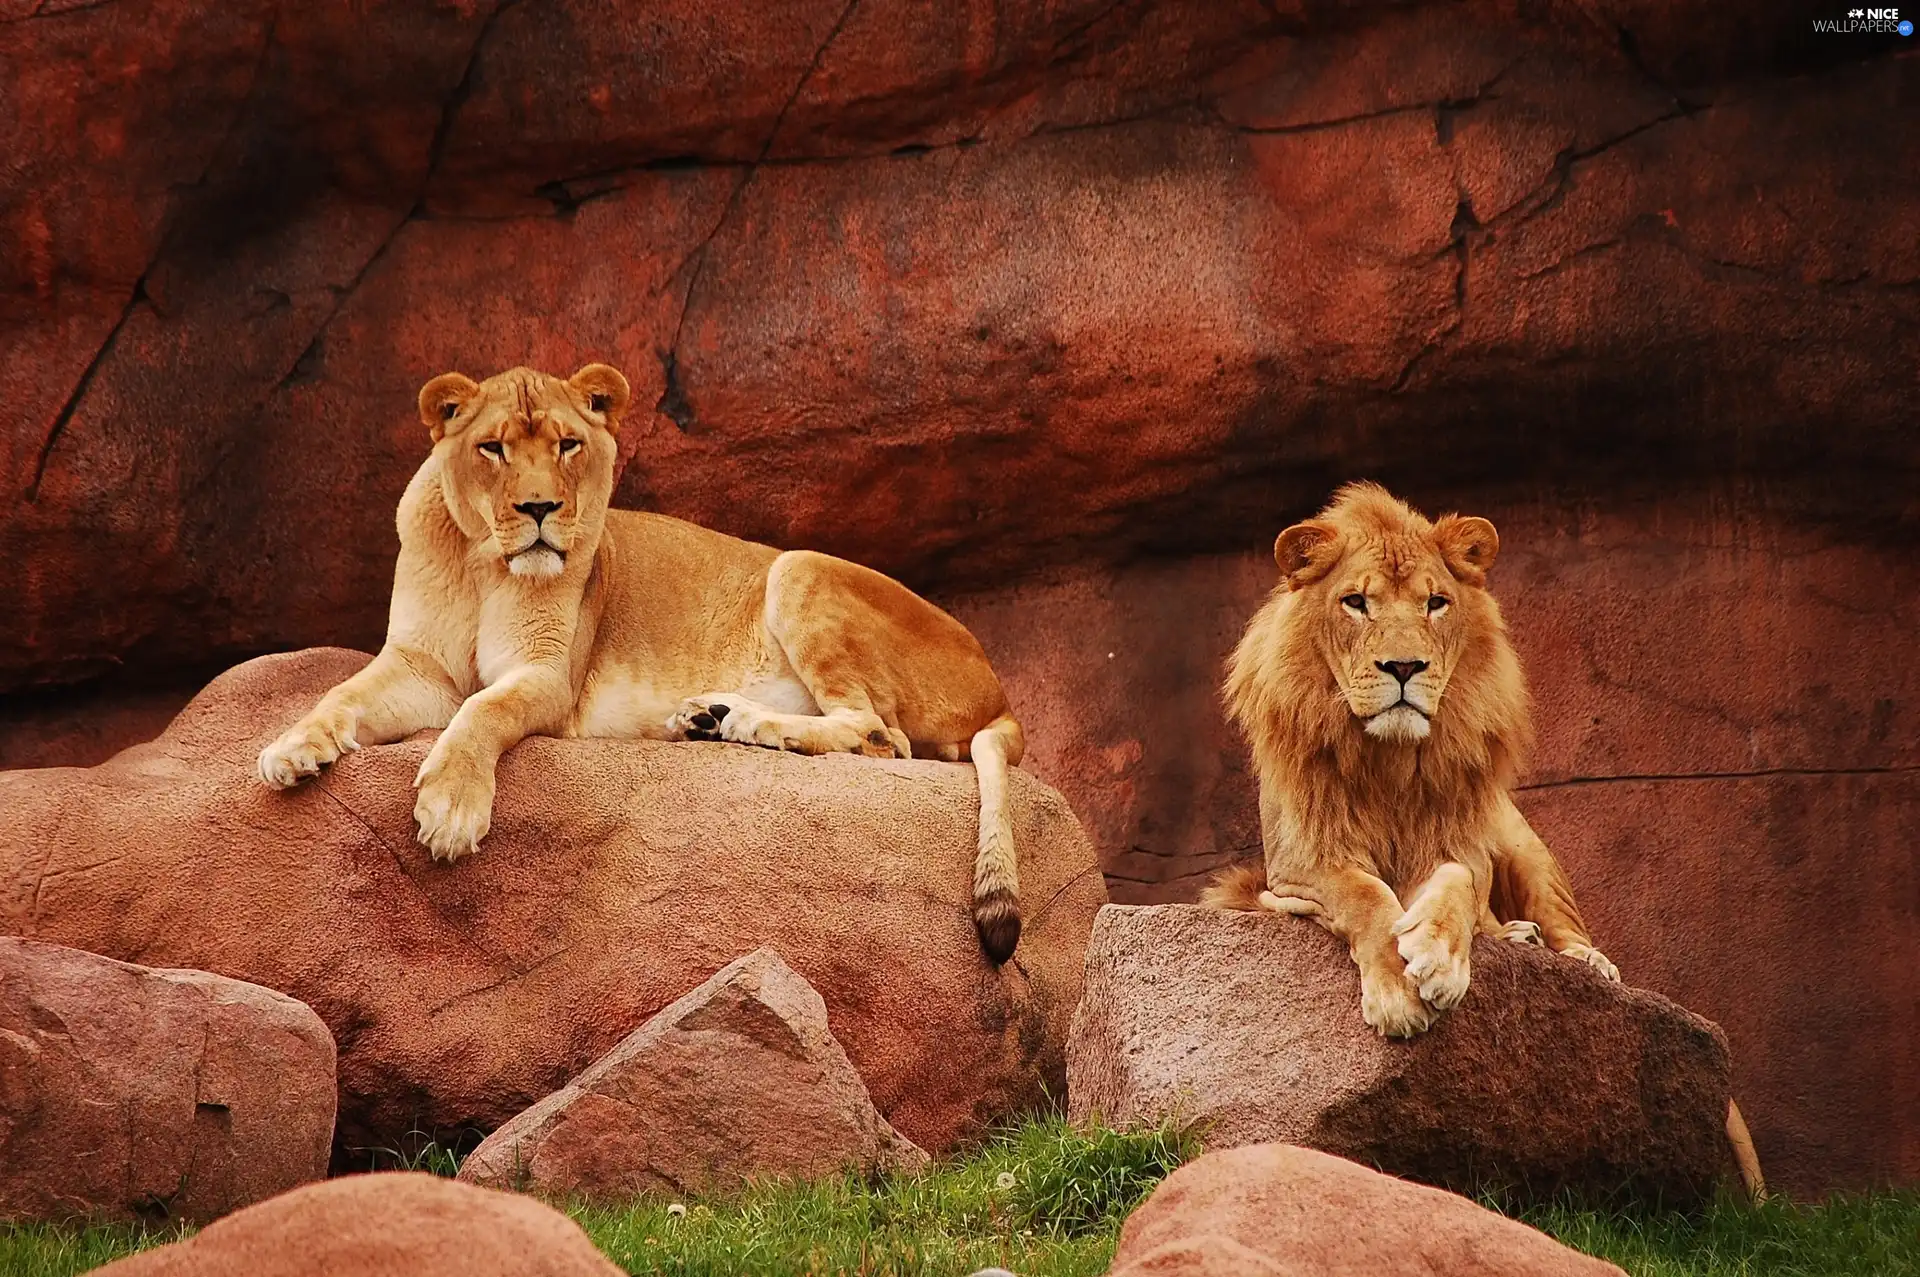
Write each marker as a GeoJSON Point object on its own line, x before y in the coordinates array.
{"type": "Point", "coordinates": [1402, 670]}
{"type": "Point", "coordinates": [537, 510]}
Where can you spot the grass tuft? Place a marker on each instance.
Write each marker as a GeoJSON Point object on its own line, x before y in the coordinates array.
{"type": "Point", "coordinates": [52, 1250]}
{"type": "Point", "coordinates": [1044, 1198]}
{"type": "Point", "coordinates": [1047, 1199]}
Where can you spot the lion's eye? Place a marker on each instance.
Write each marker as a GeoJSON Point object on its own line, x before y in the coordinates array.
{"type": "Point", "coordinates": [1358, 602]}
{"type": "Point", "coordinates": [1437, 603]}
{"type": "Point", "coordinates": [568, 445]}
{"type": "Point", "coordinates": [493, 448]}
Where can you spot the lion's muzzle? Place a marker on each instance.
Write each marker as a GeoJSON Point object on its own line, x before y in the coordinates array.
{"type": "Point", "coordinates": [1403, 702]}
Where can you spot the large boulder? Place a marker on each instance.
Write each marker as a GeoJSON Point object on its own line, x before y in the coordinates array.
{"type": "Point", "coordinates": [140, 1094]}
{"type": "Point", "coordinates": [738, 1080]}
{"type": "Point", "coordinates": [381, 1226]}
{"type": "Point", "coordinates": [1548, 1077]}
{"type": "Point", "coordinates": [617, 876]}
{"type": "Point", "coordinates": [1273, 1209]}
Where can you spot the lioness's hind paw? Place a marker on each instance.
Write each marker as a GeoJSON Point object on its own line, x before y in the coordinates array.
{"type": "Point", "coordinates": [699, 718]}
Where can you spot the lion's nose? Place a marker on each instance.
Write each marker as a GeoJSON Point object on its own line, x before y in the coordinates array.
{"type": "Point", "coordinates": [537, 510]}
{"type": "Point", "coordinates": [1402, 670]}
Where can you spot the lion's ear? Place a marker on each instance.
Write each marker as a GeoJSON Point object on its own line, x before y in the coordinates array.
{"type": "Point", "coordinates": [441, 401]}
{"type": "Point", "coordinates": [1469, 545]}
{"type": "Point", "coordinates": [1306, 552]}
{"type": "Point", "coordinates": [606, 391]}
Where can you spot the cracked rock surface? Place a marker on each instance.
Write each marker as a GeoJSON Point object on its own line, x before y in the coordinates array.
{"type": "Point", "coordinates": [740, 1079]}
{"type": "Point", "coordinates": [617, 875]}
{"type": "Point", "coordinates": [958, 293]}
{"type": "Point", "coordinates": [131, 1093]}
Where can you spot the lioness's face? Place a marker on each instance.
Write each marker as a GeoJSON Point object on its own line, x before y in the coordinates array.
{"type": "Point", "coordinates": [530, 459]}
{"type": "Point", "coordinates": [1392, 612]}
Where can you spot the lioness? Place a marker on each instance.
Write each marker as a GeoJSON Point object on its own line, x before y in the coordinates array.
{"type": "Point", "coordinates": [1388, 716]}
{"type": "Point", "coordinates": [523, 605]}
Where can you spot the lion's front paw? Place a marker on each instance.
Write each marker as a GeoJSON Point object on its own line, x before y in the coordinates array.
{"type": "Point", "coordinates": [305, 748]}
{"type": "Point", "coordinates": [1391, 1006]}
{"type": "Point", "coordinates": [455, 807]}
{"type": "Point", "coordinates": [1436, 961]}
{"type": "Point", "coordinates": [1594, 958]}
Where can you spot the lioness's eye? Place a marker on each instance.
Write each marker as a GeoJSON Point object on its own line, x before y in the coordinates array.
{"type": "Point", "coordinates": [493, 448]}
{"type": "Point", "coordinates": [1358, 602]}
{"type": "Point", "coordinates": [568, 445]}
{"type": "Point", "coordinates": [1436, 603]}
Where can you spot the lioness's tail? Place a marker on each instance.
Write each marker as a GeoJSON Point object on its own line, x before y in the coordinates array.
{"type": "Point", "coordinates": [996, 870]}
{"type": "Point", "coordinates": [1236, 887]}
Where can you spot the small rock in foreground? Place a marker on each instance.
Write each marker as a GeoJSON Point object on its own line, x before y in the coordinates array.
{"type": "Point", "coordinates": [381, 1226]}
{"type": "Point", "coordinates": [740, 1079]}
{"type": "Point", "coordinates": [1276, 1209]}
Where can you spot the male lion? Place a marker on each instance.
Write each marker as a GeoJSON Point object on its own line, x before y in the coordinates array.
{"type": "Point", "coordinates": [523, 605]}
{"type": "Point", "coordinates": [1388, 717]}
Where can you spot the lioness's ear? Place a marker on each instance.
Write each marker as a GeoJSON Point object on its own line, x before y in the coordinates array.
{"type": "Point", "coordinates": [606, 391]}
{"type": "Point", "coordinates": [442, 400]}
{"type": "Point", "coordinates": [1469, 545]}
{"type": "Point", "coordinates": [1306, 552]}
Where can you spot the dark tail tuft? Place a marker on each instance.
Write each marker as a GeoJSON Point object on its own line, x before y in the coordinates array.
{"type": "Point", "coordinates": [1236, 887]}
{"type": "Point", "coordinates": [996, 916]}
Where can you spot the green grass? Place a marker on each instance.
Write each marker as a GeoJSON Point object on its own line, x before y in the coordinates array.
{"type": "Point", "coordinates": [1873, 1235]}
{"type": "Point", "coordinates": [1047, 1200]}
{"type": "Point", "coordinates": [1043, 1199]}
{"type": "Point", "coordinates": [43, 1250]}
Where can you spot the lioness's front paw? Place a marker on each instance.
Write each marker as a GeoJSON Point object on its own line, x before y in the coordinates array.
{"type": "Point", "coordinates": [305, 748]}
{"type": "Point", "coordinates": [1436, 961]}
{"type": "Point", "coordinates": [455, 807]}
{"type": "Point", "coordinates": [1594, 958]}
{"type": "Point", "coordinates": [1391, 1006]}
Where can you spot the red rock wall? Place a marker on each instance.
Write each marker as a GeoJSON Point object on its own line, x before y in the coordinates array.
{"type": "Point", "coordinates": [1031, 303]}
{"type": "Point", "coordinates": [949, 288]}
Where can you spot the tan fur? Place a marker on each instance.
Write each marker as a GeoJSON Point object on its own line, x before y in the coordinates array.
{"type": "Point", "coordinates": [1387, 715]}
{"type": "Point", "coordinates": [510, 620]}
{"type": "Point", "coordinates": [1398, 833]}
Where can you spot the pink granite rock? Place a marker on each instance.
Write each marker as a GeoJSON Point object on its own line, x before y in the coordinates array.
{"type": "Point", "coordinates": [381, 1226]}
{"type": "Point", "coordinates": [1280, 1210]}
{"type": "Point", "coordinates": [740, 1079]}
{"type": "Point", "coordinates": [133, 1093]}
{"type": "Point", "coordinates": [1547, 1077]}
